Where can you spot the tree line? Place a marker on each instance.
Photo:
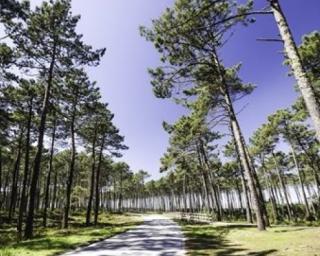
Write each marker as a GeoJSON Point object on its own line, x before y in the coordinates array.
{"type": "Point", "coordinates": [57, 136]}
{"type": "Point", "coordinates": [189, 37]}
{"type": "Point", "coordinates": [58, 139]}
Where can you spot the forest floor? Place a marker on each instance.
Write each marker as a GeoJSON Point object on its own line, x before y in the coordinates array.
{"type": "Point", "coordinates": [54, 241]}
{"type": "Point", "coordinates": [231, 239]}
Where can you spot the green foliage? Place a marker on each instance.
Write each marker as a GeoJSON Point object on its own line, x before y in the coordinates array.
{"type": "Point", "coordinates": [309, 52]}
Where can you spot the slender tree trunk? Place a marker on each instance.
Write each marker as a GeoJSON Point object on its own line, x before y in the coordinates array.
{"type": "Point", "coordinates": [46, 199]}
{"type": "Point", "coordinates": [257, 204]}
{"type": "Point", "coordinates": [15, 178]}
{"type": "Point", "coordinates": [239, 195]}
{"type": "Point", "coordinates": [299, 72]}
{"type": "Point", "coordinates": [120, 193]}
{"type": "Point", "coordinates": [93, 167]}
{"type": "Point", "coordinates": [283, 186]}
{"type": "Point", "coordinates": [71, 173]}
{"type": "Point", "coordinates": [1, 194]}
{"type": "Point", "coordinates": [258, 186]}
{"type": "Point", "coordinates": [246, 194]}
{"type": "Point", "coordinates": [97, 202]}
{"type": "Point", "coordinates": [305, 200]}
{"type": "Point", "coordinates": [271, 192]}
{"type": "Point", "coordinates": [184, 191]}
{"type": "Point", "coordinates": [204, 178]}
{"type": "Point", "coordinates": [212, 182]}
{"type": "Point", "coordinates": [5, 188]}
{"type": "Point", "coordinates": [23, 201]}
{"type": "Point", "coordinates": [37, 161]}
{"type": "Point", "coordinates": [54, 194]}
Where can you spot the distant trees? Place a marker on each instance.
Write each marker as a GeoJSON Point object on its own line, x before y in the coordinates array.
{"type": "Point", "coordinates": [189, 36]}
{"type": "Point", "coordinates": [58, 140]}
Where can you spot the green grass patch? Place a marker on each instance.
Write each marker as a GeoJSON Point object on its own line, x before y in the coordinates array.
{"type": "Point", "coordinates": [224, 239]}
{"type": "Point", "coordinates": [53, 241]}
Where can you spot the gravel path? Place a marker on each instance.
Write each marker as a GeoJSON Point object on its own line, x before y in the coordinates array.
{"type": "Point", "coordinates": [158, 236]}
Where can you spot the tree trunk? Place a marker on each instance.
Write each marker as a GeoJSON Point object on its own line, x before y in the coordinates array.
{"type": "Point", "coordinates": [271, 191]}
{"type": "Point", "coordinates": [97, 202]}
{"type": "Point", "coordinates": [211, 180]}
{"type": "Point", "coordinates": [1, 194]}
{"type": "Point", "coordinates": [23, 200]}
{"type": "Point", "coordinates": [258, 186]}
{"type": "Point", "coordinates": [299, 72]}
{"type": "Point", "coordinates": [305, 200]}
{"type": "Point", "coordinates": [204, 179]}
{"type": "Point", "coordinates": [257, 204]}
{"type": "Point", "coordinates": [46, 199]}
{"type": "Point", "coordinates": [283, 186]}
{"type": "Point", "coordinates": [37, 161]}
{"type": "Point", "coordinates": [246, 194]}
{"type": "Point", "coordinates": [71, 174]}
{"type": "Point", "coordinates": [54, 194]}
{"type": "Point", "coordinates": [120, 193]}
{"type": "Point", "coordinates": [15, 178]}
{"type": "Point", "coordinates": [93, 167]}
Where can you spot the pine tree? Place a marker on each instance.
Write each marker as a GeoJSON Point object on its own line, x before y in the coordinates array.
{"type": "Point", "coordinates": [49, 43]}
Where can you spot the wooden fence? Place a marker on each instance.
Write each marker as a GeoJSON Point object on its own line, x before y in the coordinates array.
{"type": "Point", "coordinates": [197, 217]}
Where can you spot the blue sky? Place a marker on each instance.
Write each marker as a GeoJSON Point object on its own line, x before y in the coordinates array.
{"type": "Point", "coordinates": [125, 84]}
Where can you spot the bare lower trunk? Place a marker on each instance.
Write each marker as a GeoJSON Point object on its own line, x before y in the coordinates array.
{"type": "Point", "coordinates": [97, 202]}
{"type": "Point", "coordinates": [246, 194]}
{"type": "Point", "coordinates": [271, 192]}
{"type": "Point", "coordinates": [23, 201]}
{"type": "Point", "coordinates": [54, 194]}
{"type": "Point", "coordinates": [305, 200]}
{"type": "Point", "coordinates": [213, 188]}
{"type": "Point", "coordinates": [37, 161]}
{"type": "Point", "coordinates": [241, 148]}
{"type": "Point", "coordinates": [46, 199]}
{"type": "Point", "coordinates": [15, 178]}
{"type": "Point", "coordinates": [1, 198]}
{"type": "Point", "coordinates": [93, 167]}
{"type": "Point", "coordinates": [283, 187]}
{"type": "Point", "coordinates": [71, 175]}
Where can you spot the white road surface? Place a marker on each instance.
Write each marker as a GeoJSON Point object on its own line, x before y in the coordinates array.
{"type": "Point", "coordinates": [158, 236]}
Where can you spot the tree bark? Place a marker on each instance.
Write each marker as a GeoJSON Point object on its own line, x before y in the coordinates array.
{"type": "Point", "coordinates": [283, 186]}
{"type": "Point", "coordinates": [97, 202]}
{"type": "Point", "coordinates": [23, 201]}
{"type": "Point", "coordinates": [299, 72]}
{"type": "Point", "coordinates": [15, 178]}
{"type": "Point", "coordinates": [37, 161]}
{"type": "Point", "coordinates": [304, 196]}
{"type": "Point", "coordinates": [93, 167]}
{"type": "Point", "coordinates": [241, 148]}
{"type": "Point", "coordinates": [1, 194]}
{"type": "Point", "coordinates": [71, 173]}
{"type": "Point", "coordinates": [54, 194]}
{"type": "Point", "coordinates": [46, 199]}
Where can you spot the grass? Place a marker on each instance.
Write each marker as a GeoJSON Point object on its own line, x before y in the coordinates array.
{"type": "Point", "coordinates": [53, 241]}
{"type": "Point", "coordinates": [226, 239]}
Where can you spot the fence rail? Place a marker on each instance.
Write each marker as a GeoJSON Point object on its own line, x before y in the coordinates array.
{"type": "Point", "coordinates": [197, 217]}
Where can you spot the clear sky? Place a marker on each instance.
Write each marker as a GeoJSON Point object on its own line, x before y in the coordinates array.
{"type": "Point", "coordinates": [125, 84]}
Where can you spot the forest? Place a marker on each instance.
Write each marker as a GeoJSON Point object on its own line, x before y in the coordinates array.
{"type": "Point", "coordinates": [60, 150]}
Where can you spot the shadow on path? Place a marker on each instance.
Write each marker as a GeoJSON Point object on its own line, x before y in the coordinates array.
{"type": "Point", "coordinates": [157, 236]}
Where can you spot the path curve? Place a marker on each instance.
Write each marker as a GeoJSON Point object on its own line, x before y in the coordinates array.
{"type": "Point", "coordinates": [157, 236]}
